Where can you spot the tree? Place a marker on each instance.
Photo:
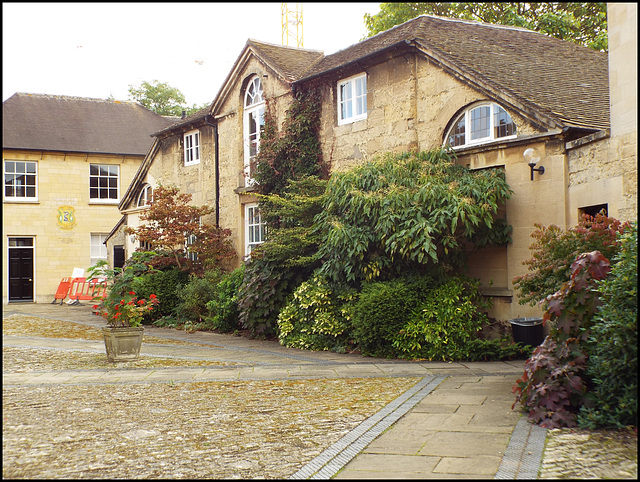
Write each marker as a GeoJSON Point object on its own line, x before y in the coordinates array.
{"type": "Point", "coordinates": [582, 23]}
{"type": "Point", "coordinates": [162, 99]}
{"type": "Point", "coordinates": [171, 223]}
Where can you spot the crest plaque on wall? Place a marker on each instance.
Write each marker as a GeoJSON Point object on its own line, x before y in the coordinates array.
{"type": "Point", "coordinates": [66, 217]}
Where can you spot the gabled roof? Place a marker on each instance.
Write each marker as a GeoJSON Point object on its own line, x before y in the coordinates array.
{"type": "Point", "coordinates": [563, 81]}
{"type": "Point", "coordinates": [289, 63]}
{"type": "Point", "coordinates": [78, 124]}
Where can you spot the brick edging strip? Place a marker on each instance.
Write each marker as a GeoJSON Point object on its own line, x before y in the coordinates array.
{"type": "Point", "coordinates": [523, 455]}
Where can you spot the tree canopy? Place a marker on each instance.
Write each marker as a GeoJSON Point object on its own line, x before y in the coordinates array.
{"type": "Point", "coordinates": [582, 23]}
{"type": "Point", "coordinates": [174, 226]}
{"type": "Point", "coordinates": [161, 98]}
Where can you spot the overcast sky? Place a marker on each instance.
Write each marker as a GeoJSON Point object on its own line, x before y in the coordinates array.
{"type": "Point", "coordinates": [99, 49]}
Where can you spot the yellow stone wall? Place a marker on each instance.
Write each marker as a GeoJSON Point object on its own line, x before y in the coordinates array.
{"type": "Point", "coordinates": [63, 180]}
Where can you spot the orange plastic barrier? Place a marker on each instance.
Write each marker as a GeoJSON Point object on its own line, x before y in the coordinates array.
{"type": "Point", "coordinates": [63, 290]}
{"type": "Point", "coordinates": [87, 290]}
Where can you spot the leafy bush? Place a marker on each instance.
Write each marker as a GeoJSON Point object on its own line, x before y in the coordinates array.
{"type": "Point", "coordinates": [195, 295]}
{"type": "Point", "coordinates": [555, 249]}
{"type": "Point", "coordinates": [613, 344]}
{"type": "Point", "coordinates": [316, 318]}
{"type": "Point", "coordinates": [552, 387]}
{"type": "Point", "coordinates": [447, 321]}
{"type": "Point", "coordinates": [406, 210]}
{"type": "Point", "coordinates": [166, 285]}
{"type": "Point", "coordinates": [223, 307]}
{"type": "Point", "coordinates": [286, 259]}
{"type": "Point", "coordinates": [382, 309]}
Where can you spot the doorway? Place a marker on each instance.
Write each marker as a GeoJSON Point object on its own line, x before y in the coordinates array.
{"type": "Point", "coordinates": [21, 261]}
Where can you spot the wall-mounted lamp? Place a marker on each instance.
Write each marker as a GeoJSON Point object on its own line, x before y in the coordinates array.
{"type": "Point", "coordinates": [532, 157]}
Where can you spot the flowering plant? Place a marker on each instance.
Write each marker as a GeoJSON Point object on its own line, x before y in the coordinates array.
{"type": "Point", "coordinates": [128, 311]}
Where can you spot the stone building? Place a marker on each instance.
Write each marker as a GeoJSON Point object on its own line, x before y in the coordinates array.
{"type": "Point", "coordinates": [502, 97]}
{"type": "Point", "coordinates": [66, 162]}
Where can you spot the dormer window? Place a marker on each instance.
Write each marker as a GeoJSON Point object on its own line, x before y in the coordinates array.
{"type": "Point", "coordinates": [144, 197]}
{"type": "Point", "coordinates": [191, 148]}
{"type": "Point", "coordinates": [479, 124]}
{"type": "Point", "coordinates": [352, 99]}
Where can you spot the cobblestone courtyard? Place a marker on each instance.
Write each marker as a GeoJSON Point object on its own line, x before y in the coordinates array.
{"type": "Point", "coordinates": [234, 428]}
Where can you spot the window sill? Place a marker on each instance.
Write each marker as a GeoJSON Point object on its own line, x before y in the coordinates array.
{"type": "Point", "coordinates": [244, 190]}
{"type": "Point", "coordinates": [20, 201]}
{"type": "Point", "coordinates": [93, 202]}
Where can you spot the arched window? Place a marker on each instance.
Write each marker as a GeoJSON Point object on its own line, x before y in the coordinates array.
{"type": "Point", "coordinates": [253, 126]}
{"type": "Point", "coordinates": [144, 197]}
{"type": "Point", "coordinates": [479, 124]}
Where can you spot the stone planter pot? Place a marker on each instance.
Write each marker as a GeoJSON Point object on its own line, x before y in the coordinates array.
{"type": "Point", "coordinates": [122, 343]}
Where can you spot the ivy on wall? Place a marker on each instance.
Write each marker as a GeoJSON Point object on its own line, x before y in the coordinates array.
{"type": "Point", "coordinates": [294, 152]}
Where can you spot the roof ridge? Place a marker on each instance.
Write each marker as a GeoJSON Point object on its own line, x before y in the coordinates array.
{"type": "Point", "coordinates": [75, 97]}
{"type": "Point", "coordinates": [480, 23]}
{"type": "Point", "coordinates": [254, 41]}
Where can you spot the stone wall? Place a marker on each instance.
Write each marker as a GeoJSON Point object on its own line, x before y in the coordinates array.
{"type": "Point", "coordinates": [63, 180]}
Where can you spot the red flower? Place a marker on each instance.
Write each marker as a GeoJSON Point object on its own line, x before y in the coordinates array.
{"type": "Point", "coordinates": [153, 297]}
{"type": "Point", "coordinates": [132, 292]}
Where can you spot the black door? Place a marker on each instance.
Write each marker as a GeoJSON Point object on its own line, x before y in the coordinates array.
{"type": "Point", "coordinates": [20, 274]}
{"type": "Point", "coordinates": [118, 256]}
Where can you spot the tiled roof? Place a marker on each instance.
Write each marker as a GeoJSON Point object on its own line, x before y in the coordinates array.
{"type": "Point", "coordinates": [291, 62]}
{"type": "Point", "coordinates": [78, 124]}
{"type": "Point", "coordinates": [179, 122]}
{"type": "Point", "coordinates": [565, 81]}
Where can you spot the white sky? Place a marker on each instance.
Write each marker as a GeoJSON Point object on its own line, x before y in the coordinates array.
{"type": "Point", "coordinates": [99, 49]}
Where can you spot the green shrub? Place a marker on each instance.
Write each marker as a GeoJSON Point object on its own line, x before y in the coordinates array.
{"type": "Point", "coordinates": [381, 311]}
{"type": "Point", "coordinates": [166, 285]}
{"type": "Point", "coordinates": [553, 387]}
{"type": "Point", "coordinates": [223, 308]}
{"type": "Point", "coordinates": [450, 317]}
{"type": "Point", "coordinates": [555, 249]}
{"type": "Point", "coordinates": [613, 344]}
{"type": "Point", "coordinates": [405, 210]}
{"type": "Point", "coordinates": [286, 259]}
{"type": "Point", "coordinates": [316, 318]}
{"type": "Point", "coordinates": [195, 295]}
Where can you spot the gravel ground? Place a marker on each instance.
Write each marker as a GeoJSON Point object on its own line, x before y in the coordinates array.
{"type": "Point", "coordinates": [253, 429]}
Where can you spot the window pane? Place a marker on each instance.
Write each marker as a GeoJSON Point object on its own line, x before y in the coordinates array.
{"type": "Point", "coordinates": [479, 118]}
{"type": "Point", "coordinates": [504, 125]}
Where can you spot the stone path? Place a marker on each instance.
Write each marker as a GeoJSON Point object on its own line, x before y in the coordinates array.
{"type": "Point", "coordinates": [252, 409]}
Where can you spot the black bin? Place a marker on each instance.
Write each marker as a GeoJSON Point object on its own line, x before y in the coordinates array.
{"type": "Point", "coordinates": [528, 331]}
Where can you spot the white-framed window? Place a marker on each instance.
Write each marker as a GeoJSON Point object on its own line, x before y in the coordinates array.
{"type": "Point", "coordinates": [480, 123]}
{"type": "Point", "coordinates": [254, 227]}
{"type": "Point", "coordinates": [253, 126]}
{"type": "Point", "coordinates": [192, 255]}
{"type": "Point", "coordinates": [191, 148]}
{"type": "Point", "coordinates": [352, 99]}
{"type": "Point", "coordinates": [20, 180]}
{"type": "Point", "coordinates": [145, 196]}
{"type": "Point", "coordinates": [103, 182]}
{"type": "Point", "coordinates": [98, 248]}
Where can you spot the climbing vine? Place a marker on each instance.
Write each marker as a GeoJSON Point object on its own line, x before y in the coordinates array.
{"type": "Point", "coordinates": [290, 180]}
{"type": "Point", "coordinates": [294, 152]}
